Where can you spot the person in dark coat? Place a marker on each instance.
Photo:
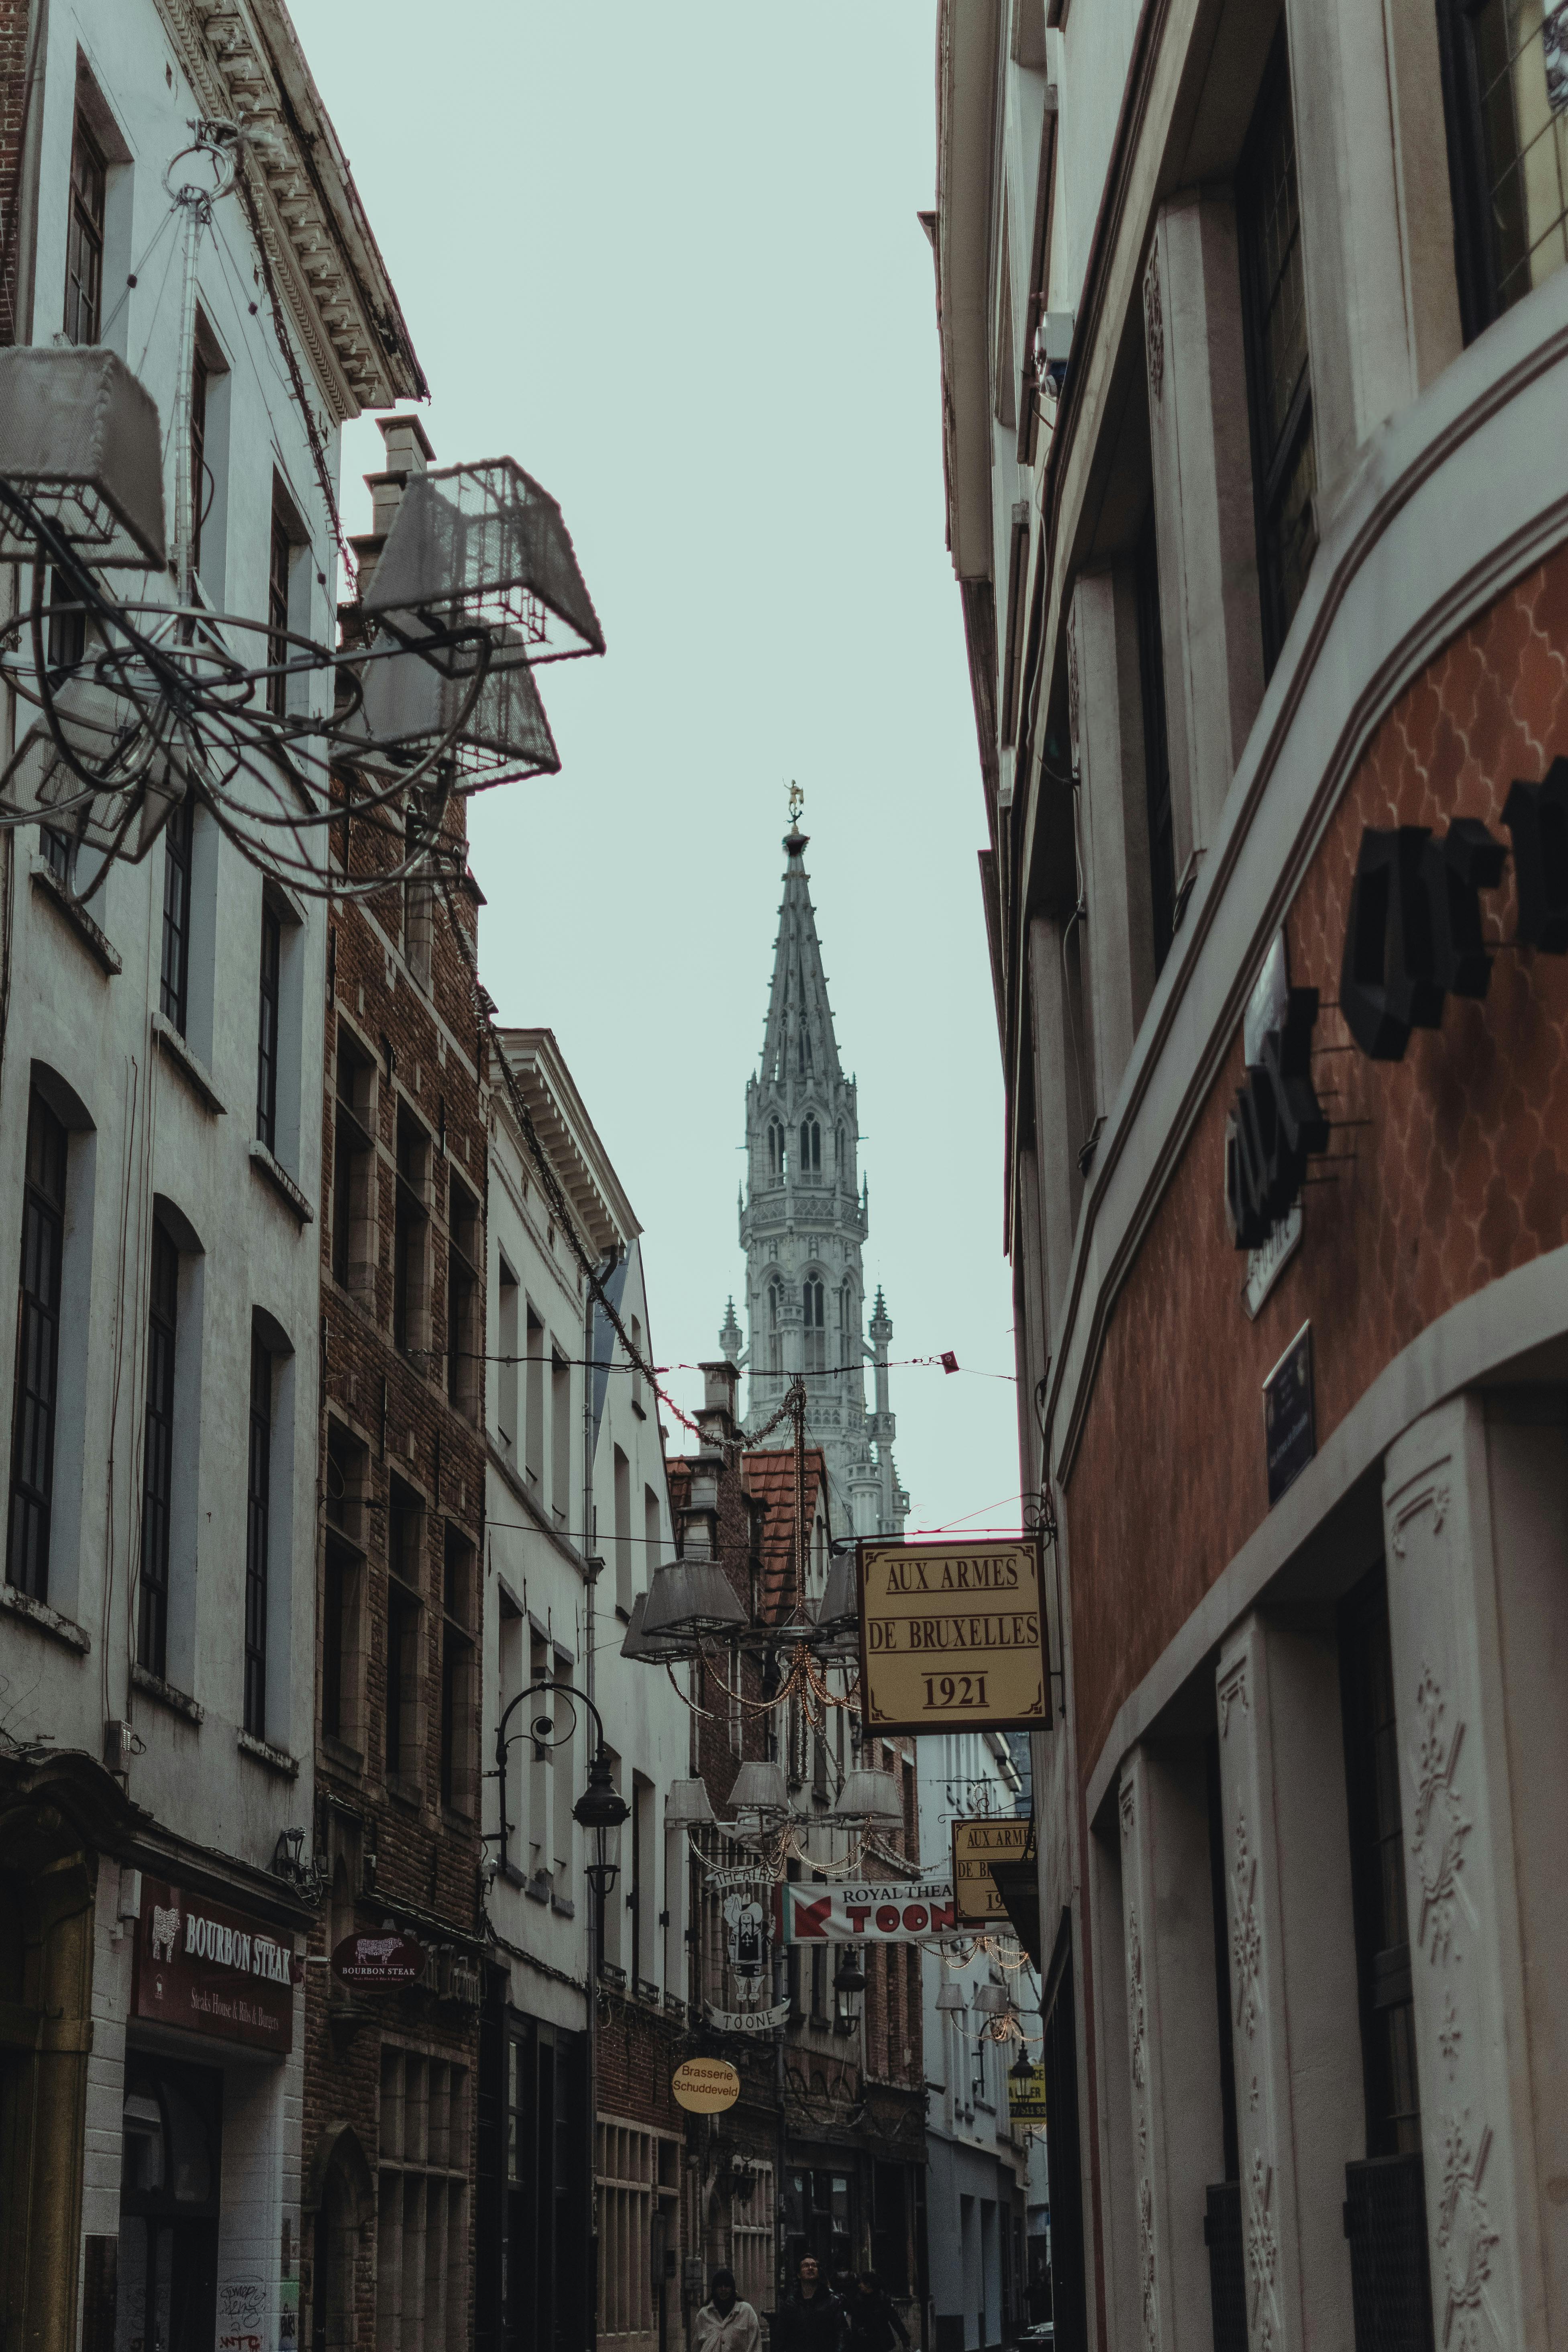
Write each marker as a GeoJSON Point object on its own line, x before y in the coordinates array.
{"type": "Point", "coordinates": [874, 2323]}
{"type": "Point", "coordinates": [813, 2320]}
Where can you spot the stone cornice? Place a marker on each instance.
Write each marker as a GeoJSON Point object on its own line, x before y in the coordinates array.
{"type": "Point", "coordinates": [243, 61]}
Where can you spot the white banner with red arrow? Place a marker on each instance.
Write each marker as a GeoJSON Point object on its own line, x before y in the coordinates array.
{"type": "Point", "coordinates": [874, 1912]}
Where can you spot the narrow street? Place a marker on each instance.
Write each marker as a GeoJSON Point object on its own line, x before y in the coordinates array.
{"type": "Point", "coordinates": [946, 1766]}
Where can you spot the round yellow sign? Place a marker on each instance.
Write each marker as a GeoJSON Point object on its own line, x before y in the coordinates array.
{"type": "Point", "coordinates": [705, 2086]}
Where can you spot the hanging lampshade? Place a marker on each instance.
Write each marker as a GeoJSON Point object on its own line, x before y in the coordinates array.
{"type": "Point", "coordinates": [484, 544]}
{"type": "Point", "coordinates": [950, 1997]}
{"type": "Point", "coordinates": [79, 438]}
{"type": "Point", "coordinates": [760, 1789]}
{"type": "Point", "coordinates": [991, 2000]}
{"type": "Point", "coordinates": [686, 1806]}
{"type": "Point", "coordinates": [690, 1597]}
{"type": "Point", "coordinates": [868, 1795]}
{"type": "Point", "coordinates": [410, 706]}
{"type": "Point", "coordinates": [841, 1606]}
{"type": "Point", "coordinates": [650, 1650]}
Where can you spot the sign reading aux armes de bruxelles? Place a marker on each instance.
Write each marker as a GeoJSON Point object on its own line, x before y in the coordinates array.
{"type": "Point", "coordinates": [952, 1636]}
{"type": "Point", "coordinates": [976, 1845]}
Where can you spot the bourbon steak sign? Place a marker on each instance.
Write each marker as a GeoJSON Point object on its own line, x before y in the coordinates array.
{"type": "Point", "coordinates": [951, 1637]}
{"type": "Point", "coordinates": [212, 1971]}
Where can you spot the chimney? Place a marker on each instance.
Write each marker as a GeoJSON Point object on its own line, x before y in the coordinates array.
{"type": "Point", "coordinates": [408, 452]}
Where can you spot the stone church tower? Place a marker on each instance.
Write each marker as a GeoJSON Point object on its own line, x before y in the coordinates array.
{"type": "Point", "coordinates": [802, 1222]}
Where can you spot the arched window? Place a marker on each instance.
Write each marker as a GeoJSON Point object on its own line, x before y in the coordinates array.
{"type": "Point", "coordinates": [775, 1337]}
{"type": "Point", "coordinates": [841, 1152]}
{"type": "Point", "coordinates": [847, 1319]}
{"type": "Point", "coordinates": [777, 1154]}
{"type": "Point", "coordinates": [810, 1148]}
{"type": "Point", "coordinates": [815, 1357]}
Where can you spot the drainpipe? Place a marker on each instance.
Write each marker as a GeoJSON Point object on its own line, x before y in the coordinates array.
{"type": "Point", "coordinates": [594, 1928]}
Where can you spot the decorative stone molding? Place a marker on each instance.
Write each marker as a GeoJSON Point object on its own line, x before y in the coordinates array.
{"type": "Point", "coordinates": [1246, 1935]}
{"type": "Point", "coordinates": [1231, 1691]}
{"type": "Point", "coordinates": [1439, 1826]}
{"type": "Point", "coordinates": [243, 61]}
{"type": "Point", "coordinates": [1146, 2277]}
{"type": "Point", "coordinates": [1466, 2239]}
{"type": "Point", "coordinates": [1154, 324]}
{"type": "Point", "coordinates": [1262, 2256]}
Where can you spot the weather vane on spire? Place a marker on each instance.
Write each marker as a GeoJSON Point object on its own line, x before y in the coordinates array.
{"type": "Point", "coordinates": [796, 802]}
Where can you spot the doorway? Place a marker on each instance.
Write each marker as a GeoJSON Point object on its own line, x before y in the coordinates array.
{"type": "Point", "coordinates": [166, 2297]}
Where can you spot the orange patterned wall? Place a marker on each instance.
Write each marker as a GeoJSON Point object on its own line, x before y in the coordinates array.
{"type": "Point", "coordinates": [1461, 1174]}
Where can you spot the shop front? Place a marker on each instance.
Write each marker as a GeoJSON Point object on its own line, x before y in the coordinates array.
{"type": "Point", "coordinates": [205, 2259]}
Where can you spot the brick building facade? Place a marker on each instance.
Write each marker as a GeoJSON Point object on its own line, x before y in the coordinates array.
{"type": "Point", "coordinates": [391, 2081]}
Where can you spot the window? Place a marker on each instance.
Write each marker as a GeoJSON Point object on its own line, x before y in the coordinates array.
{"type": "Point", "coordinates": [533, 1438]}
{"type": "Point", "coordinates": [463, 1247]}
{"type": "Point", "coordinates": [258, 1486]}
{"type": "Point", "coordinates": [458, 1674]}
{"type": "Point", "coordinates": [267, 1046]}
{"type": "Point", "coordinates": [418, 895]}
{"type": "Point", "coordinates": [84, 238]}
{"type": "Point", "coordinates": [622, 1531]}
{"type": "Point", "coordinates": [279, 558]}
{"type": "Point", "coordinates": [776, 1153]}
{"type": "Point", "coordinates": [810, 1148]}
{"type": "Point", "coordinates": [38, 1352]}
{"type": "Point", "coordinates": [1156, 753]}
{"type": "Point", "coordinates": [1373, 1769]}
{"type": "Point", "coordinates": [751, 2255]}
{"type": "Point", "coordinates": [174, 986]}
{"type": "Point", "coordinates": [1505, 77]}
{"type": "Point", "coordinates": [342, 1586]}
{"type": "Point", "coordinates": [652, 1541]}
{"type": "Point", "coordinates": [642, 1893]}
{"type": "Point", "coordinates": [508, 1372]}
{"type": "Point", "coordinates": [634, 1332]}
{"type": "Point", "coordinates": [410, 1240]}
{"type": "Point", "coordinates": [638, 2175]}
{"type": "Point", "coordinates": [404, 1549]}
{"type": "Point", "coordinates": [812, 1305]}
{"type": "Point", "coordinates": [158, 1458]}
{"type": "Point", "coordinates": [201, 493]}
{"type": "Point", "coordinates": [422, 2202]}
{"type": "Point", "coordinates": [1274, 309]}
{"type": "Point", "coordinates": [354, 1162]}
{"type": "Point", "coordinates": [775, 1335]}
{"type": "Point", "coordinates": [560, 1439]}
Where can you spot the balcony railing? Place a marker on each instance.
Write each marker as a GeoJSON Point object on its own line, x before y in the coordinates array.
{"type": "Point", "coordinates": [1386, 2222]}
{"type": "Point", "coordinates": [1227, 2265]}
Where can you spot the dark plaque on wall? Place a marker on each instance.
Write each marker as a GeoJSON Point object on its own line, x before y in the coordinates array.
{"type": "Point", "coordinates": [1289, 1422]}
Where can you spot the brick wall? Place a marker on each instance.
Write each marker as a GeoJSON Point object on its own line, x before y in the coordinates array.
{"type": "Point", "coordinates": [396, 1849]}
{"type": "Point", "coordinates": [1460, 1175]}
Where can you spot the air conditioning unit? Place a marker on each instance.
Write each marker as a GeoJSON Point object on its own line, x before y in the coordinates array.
{"type": "Point", "coordinates": [1053, 350]}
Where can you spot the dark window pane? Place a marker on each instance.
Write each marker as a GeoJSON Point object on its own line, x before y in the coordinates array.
{"type": "Point", "coordinates": [202, 484]}
{"type": "Point", "coordinates": [280, 548]}
{"type": "Point", "coordinates": [1268, 222]}
{"type": "Point", "coordinates": [84, 239]}
{"type": "Point", "coordinates": [337, 1571]}
{"type": "Point", "coordinates": [266, 1049]}
{"type": "Point", "coordinates": [256, 1532]}
{"type": "Point", "coordinates": [175, 983]}
{"type": "Point", "coordinates": [1505, 77]}
{"type": "Point", "coordinates": [1377, 1871]}
{"type": "Point", "coordinates": [1156, 755]}
{"type": "Point", "coordinates": [158, 1457]}
{"type": "Point", "coordinates": [38, 1352]}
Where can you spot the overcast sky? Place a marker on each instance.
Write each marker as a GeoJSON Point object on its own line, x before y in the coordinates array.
{"type": "Point", "coordinates": [667, 257]}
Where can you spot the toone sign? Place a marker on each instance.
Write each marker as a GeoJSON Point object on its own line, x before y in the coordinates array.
{"type": "Point", "coordinates": [213, 1970]}
{"type": "Point", "coordinates": [878, 1911]}
{"type": "Point", "coordinates": [976, 1845]}
{"type": "Point", "coordinates": [952, 1636]}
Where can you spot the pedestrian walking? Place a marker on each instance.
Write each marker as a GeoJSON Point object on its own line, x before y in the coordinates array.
{"type": "Point", "coordinates": [726, 2322]}
{"type": "Point", "coordinates": [874, 2322]}
{"type": "Point", "coordinates": [814, 2319]}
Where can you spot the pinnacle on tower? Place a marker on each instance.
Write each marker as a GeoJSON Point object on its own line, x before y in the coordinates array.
{"type": "Point", "coordinates": [729, 1335]}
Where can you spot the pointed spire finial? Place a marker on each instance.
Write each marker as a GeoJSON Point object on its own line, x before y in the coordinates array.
{"type": "Point", "coordinates": [796, 801]}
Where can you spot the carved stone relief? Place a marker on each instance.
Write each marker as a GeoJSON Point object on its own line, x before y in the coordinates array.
{"type": "Point", "coordinates": [1439, 1825]}
{"type": "Point", "coordinates": [1154, 324]}
{"type": "Point", "coordinates": [1465, 2240]}
{"type": "Point", "coordinates": [1246, 1934]}
{"type": "Point", "coordinates": [1231, 1691]}
{"type": "Point", "coordinates": [1262, 2255]}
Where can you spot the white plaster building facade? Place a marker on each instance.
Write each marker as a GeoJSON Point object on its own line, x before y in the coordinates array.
{"type": "Point", "coordinates": [1254, 336]}
{"type": "Point", "coordinates": [802, 1222]}
{"type": "Point", "coordinates": [578, 1517]}
{"type": "Point", "coordinates": [157, 1186]}
{"type": "Point", "coordinates": [977, 2200]}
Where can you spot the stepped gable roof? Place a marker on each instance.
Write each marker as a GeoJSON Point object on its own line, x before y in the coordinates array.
{"type": "Point", "coordinates": [769, 1475]}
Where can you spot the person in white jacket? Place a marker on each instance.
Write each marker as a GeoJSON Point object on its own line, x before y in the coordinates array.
{"type": "Point", "coordinates": [725, 2323]}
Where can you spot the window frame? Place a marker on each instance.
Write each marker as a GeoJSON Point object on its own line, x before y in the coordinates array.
{"type": "Point", "coordinates": [268, 1046]}
{"type": "Point", "coordinates": [158, 1453]}
{"type": "Point", "coordinates": [280, 542]}
{"type": "Point", "coordinates": [43, 1222]}
{"type": "Point", "coordinates": [1274, 461]}
{"type": "Point", "coordinates": [179, 867]}
{"type": "Point", "coordinates": [258, 1537]}
{"type": "Point", "coordinates": [85, 232]}
{"type": "Point", "coordinates": [1158, 796]}
{"type": "Point", "coordinates": [1472, 186]}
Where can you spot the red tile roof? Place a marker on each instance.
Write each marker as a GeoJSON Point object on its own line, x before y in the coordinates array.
{"type": "Point", "coordinates": [769, 1476]}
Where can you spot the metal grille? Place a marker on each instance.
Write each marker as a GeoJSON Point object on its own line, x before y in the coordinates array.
{"type": "Point", "coordinates": [1386, 2222]}
{"type": "Point", "coordinates": [1227, 2265]}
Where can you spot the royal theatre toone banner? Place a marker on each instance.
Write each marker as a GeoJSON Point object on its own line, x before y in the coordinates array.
{"type": "Point", "coordinates": [952, 1636]}
{"type": "Point", "coordinates": [878, 1911]}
